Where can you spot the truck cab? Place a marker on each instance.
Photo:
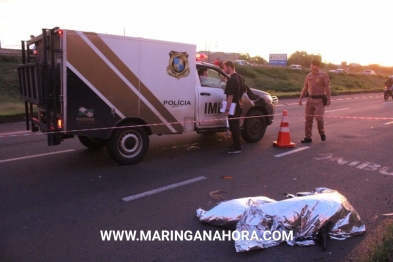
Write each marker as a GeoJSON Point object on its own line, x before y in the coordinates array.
{"type": "Point", "coordinates": [258, 108]}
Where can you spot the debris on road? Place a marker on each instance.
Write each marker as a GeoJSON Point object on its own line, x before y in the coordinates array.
{"type": "Point", "coordinates": [217, 194]}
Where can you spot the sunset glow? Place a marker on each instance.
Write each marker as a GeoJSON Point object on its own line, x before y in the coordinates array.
{"type": "Point", "coordinates": [354, 32]}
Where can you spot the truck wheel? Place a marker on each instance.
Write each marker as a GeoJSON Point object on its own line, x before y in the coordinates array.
{"type": "Point", "coordinates": [92, 143]}
{"type": "Point", "coordinates": [254, 128]}
{"type": "Point", "coordinates": [128, 146]}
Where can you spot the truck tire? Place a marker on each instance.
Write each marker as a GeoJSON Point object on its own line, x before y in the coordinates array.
{"type": "Point", "coordinates": [254, 128]}
{"type": "Point", "coordinates": [92, 143]}
{"type": "Point", "coordinates": [128, 146]}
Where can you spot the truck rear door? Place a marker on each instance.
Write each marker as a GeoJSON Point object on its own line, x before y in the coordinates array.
{"type": "Point", "coordinates": [41, 81]}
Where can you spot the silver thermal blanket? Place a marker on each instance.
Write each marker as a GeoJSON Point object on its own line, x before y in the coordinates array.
{"type": "Point", "coordinates": [296, 221]}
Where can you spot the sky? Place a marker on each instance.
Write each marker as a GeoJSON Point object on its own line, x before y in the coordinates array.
{"type": "Point", "coordinates": [338, 30]}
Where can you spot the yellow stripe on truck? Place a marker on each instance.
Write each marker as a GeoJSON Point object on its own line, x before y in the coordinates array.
{"type": "Point", "coordinates": [108, 82]}
{"type": "Point", "coordinates": [145, 110]}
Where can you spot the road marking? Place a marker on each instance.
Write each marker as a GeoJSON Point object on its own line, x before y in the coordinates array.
{"type": "Point", "coordinates": [162, 189]}
{"type": "Point", "coordinates": [367, 166]}
{"type": "Point", "coordinates": [388, 123]}
{"type": "Point", "coordinates": [17, 133]}
{"type": "Point", "coordinates": [337, 110]}
{"type": "Point", "coordinates": [26, 157]}
{"type": "Point", "coordinates": [292, 151]}
{"type": "Point", "coordinates": [287, 104]}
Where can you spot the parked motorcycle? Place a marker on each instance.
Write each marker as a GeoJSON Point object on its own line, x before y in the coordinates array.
{"type": "Point", "coordinates": [387, 92]}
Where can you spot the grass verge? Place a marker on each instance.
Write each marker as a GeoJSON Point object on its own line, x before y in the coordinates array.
{"type": "Point", "coordinates": [12, 112]}
{"type": "Point", "coordinates": [384, 250]}
{"type": "Point", "coordinates": [11, 108]}
{"type": "Point", "coordinates": [376, 245]}
{"type": "Point", "coordinates": [12, 118]}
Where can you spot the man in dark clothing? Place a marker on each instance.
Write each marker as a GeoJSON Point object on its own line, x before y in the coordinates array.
{"type": "Point", "coordinates": [389, 82]}
{"type": "Point", "coordinates": [234, 91]}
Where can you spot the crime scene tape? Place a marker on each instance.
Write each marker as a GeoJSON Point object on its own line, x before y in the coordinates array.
{"type": "Point", "coordinates": [128, 126]}
{"type": "Point", "coordinates": [183, 122]}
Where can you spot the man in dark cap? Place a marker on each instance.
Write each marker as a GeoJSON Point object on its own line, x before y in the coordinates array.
{"type": "Point", "coordinates": [317, 85]}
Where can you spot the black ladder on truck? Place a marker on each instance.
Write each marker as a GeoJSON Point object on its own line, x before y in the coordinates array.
{"type": "Point", "coordinates": [39, 83]}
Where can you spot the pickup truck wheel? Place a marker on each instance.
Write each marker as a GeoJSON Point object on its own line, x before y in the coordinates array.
{"type": "Point", "coordinates": [254, 128]}
{"type": "Point", "coordinates": [128, 146]}
{"type": "Point", "coordinates": [92, 143]}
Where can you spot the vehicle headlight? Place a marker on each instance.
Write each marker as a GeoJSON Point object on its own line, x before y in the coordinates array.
{"type": "Point", "coordinates": [274, 99]}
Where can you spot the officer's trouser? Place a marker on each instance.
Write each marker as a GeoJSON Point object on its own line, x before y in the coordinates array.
{"type": "Point", "coordinates": [234, 126]}
{"type": "Point", "coordinates": [314, 108]}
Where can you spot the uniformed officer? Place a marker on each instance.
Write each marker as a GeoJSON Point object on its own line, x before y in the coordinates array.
{"type": "Point", "coordinates": [317, 85]}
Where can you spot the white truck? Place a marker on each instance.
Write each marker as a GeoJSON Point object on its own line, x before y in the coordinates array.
{"type": "Point", "coordinates": [114, 91]}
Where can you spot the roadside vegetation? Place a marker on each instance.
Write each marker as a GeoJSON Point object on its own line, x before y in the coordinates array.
{"type": "Point", "coordinates": [382, 251]}
{"type": "Point", "coordinates": [286, 82]}
{"type": "Point", "coordinates": [10, 103]}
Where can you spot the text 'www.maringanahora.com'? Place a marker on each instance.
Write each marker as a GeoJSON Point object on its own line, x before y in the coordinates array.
{"type": "Point", "coordinates": [188, 235]}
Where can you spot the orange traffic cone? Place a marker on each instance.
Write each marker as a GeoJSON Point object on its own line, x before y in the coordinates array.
{"type": "Point", "coordinates": [284, 139]}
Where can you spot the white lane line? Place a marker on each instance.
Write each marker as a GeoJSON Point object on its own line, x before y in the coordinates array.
{"type": "Point", "coordinates": [26, 157]}
{"type": "Point", "coordinates": [14, 132]}
{"type": "Point", "coordinates": [162, 189]}
{"type": "Point", "coordinates": [292, 151]}
{"type": "Point", "coordinates": [285, 104]}
{"type": "Point", "coordinates": [388, 123]}
{"type": "Point", "coordinates": [17, 133]}
{"type": "Point", "coordinates": [336, 110]}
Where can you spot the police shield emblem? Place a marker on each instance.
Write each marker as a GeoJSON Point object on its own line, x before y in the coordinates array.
{"type": "Point", "coordinates": [178, 64]}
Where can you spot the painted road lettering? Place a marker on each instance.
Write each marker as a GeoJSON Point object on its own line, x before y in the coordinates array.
{"type": "Point", "coordinates": [369, 166]}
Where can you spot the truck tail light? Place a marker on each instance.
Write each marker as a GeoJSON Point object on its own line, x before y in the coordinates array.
{"type": "Point", "coordinates": [60, 123]}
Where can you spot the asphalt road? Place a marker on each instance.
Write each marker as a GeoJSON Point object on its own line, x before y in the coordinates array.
{"type": "Point", "coordinates": [56, 200]}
